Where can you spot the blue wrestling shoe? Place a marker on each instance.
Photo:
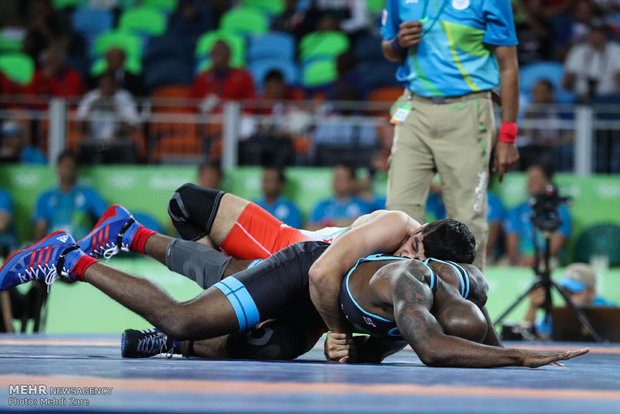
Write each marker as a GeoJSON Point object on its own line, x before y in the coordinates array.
{"type": "Point", "coordinates": [113, 232]}
{"type": "Point", "coordinates": [56, 254]}
{"type": "Point", "coordinates": [145, 343]}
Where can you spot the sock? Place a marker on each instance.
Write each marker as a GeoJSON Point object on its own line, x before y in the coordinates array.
{"type": "Point", "coordinates": [176, 347]}
{"type": "Point", "coordinates": [139, 239]}
{"type": "Point", "coordinates": [81, 266]}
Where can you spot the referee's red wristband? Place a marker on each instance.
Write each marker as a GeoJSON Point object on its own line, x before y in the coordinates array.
{"type": "Point", "coordinates": [508, 132]}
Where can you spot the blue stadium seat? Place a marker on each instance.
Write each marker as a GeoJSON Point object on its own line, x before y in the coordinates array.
{"type": "Point", "coordinates": [170, 46]}
{"type": "Point", "coordinates": [553, 71]}
{"type": "Point", "coordinates": [90, 22]}
{"type": "Point", "coordinates": [162, 72]}
{"type": "Point", "coordinates": [260, 68]}
{"type": "Point", "coordinates": [378, 74]}
{"type": "Point", "coordinates": [275, 45]}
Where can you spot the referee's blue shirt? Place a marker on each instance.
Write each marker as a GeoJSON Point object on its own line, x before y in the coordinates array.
{"type": "Point", "coordinates": [455, 56]}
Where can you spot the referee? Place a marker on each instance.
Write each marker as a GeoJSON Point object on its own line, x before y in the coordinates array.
{"type": "Point", "coordinates": [452, 54]}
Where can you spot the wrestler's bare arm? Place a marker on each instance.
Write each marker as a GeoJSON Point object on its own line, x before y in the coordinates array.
{"type": "Point", "coordinates": [383, 234]}
{"type": "Point", "coordinates": [412, 301]}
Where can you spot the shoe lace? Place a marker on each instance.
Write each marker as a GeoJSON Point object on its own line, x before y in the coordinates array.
{"type": "Point", "coordinates": [47, 271]}
{"type": "Point", "coordinates": [153, 343]}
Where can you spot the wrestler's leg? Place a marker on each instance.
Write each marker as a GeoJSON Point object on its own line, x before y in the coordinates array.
{"type": "Point", "coordinates": [208, 315]}
{"type": "Point", "coordinates": [270, 340]}
{"type": "Point", "coordinates": [238, 227]}
{"type": "Point", "coordinates": [198, 212]}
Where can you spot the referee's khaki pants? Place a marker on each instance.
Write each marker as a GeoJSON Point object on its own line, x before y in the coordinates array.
{"type": "Point", "coordinates": [454, 139]}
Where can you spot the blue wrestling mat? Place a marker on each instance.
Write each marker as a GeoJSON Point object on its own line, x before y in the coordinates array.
{"type": "Point", "coordinates": [86, 373]}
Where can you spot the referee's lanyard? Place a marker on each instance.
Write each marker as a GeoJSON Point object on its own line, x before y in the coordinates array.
{"type": "Point", "coordinates": [434, 19]}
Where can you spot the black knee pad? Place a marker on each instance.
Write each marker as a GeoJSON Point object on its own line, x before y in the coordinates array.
{"type": "Point", "coordinates": [192, 210]}
{"type": "Point", "coordinates": [272, 340]}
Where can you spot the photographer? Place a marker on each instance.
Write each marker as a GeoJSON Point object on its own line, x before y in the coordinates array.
{"type": "Point", "coordinates": [520, 233]}
{"type": "Point", "coordinates": [579, 281]}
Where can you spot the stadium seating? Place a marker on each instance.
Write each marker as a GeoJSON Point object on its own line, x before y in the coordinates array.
{"type": "Point", "coordinates": [368, 49]}
{"type": "Point", "coordinates": [553, 71]}
{"type": "Point", "coordinates": [90, 23]}
{"type": "Point", "coordinates": [260, 68]}
{"type": "Point", "coordinates": [17, 67]}
{"type": "Point", "coordinates": [143, 21]}
{"type": "Point", "coordinates": [164, 72]}
{"type": "Point", "coordinates": [274, 45]}
{"type": "Point", "coordinates": [600, 239]}
{"type": "Point", "coordinates": [10, 43]}
{"type": "Point", "coordinates": [375, 6]}
{"type": "Point", "coordinates": [170, 47]}
{"type": "Point", "coordinates": [318, 73]}
{"type": "Point", "coordinates": [131, 44]}
{"type": "Point", "coordinates": [62, 4]}
{"type": "Point", "coordinates": [206, 42]}
{"type": "Point", "coordinates": [378, 74]}
{"type": "Point", "coordinates": [319, 45]}
{"type": "Point", "coordinates": [271, 7]}
{"type": "Point", "coordinates": [164, 5]}
{"type": "Point", "coordinates": [244, 21]}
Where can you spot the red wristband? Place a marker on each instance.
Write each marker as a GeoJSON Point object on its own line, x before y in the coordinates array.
{"type": "Point", "coordinates": [508, 132]}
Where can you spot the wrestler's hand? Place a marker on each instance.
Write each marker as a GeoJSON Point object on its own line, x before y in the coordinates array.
{"type": "Point", "coordinates": [506, 157]}
{"type": "Point", "coordinates": [339, 347]}
{"type": "Point", "coordinates": [537, 359]}
{"type": "Point", "coordinates": [409, 34]}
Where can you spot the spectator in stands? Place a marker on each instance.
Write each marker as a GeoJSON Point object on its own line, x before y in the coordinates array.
{"type": "Point", "coordinates": [365, 185]}
{"type": "Point", "coordinates": [108, 113]}
{"type": "Point", "coordinates": [68, 206]}
{"type": "Point", "coordinates": [277, 90]}
{"type": "Point", "coordinates": [291, 20]}
{"type": "Point", "coordinates": [546, 143]}
{"type": "Point", "coordinates": [15, 147]}
{"type": "Point", "coordinates": [192, 18]}
{"type": "Point", "coordinates": [496, 215]}
{"type": "Point", "coordinates": [579, 281]}
{"type": "Point", "coordinates": [274, 182]}
{"type": "Point", "coordinates": [55, 78]}
{"type": "Point", "coordinates": [8, 239]}
{"type": "Point", "coordinates": [344, 206]}
{"type": "Point", "coordinates": [210, 175]}
{"type": "Point", "coordinates": [222, 82]}
{"type": "Point", "coordinates": [349, 85]}
{"type": "Point", "coordinates": [47, 27]}
{"type": "Point", "coordinates": [520, 234]}
{"type": "Point", "coordinates": [592, 68]}
{"type": "Point", "coordinates": [115, 63]}
{"type": "Point", "coordinates": [534, 32]}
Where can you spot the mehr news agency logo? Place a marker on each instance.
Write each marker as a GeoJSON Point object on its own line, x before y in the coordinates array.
{"type": "Point", "coordinates": [29, 395]}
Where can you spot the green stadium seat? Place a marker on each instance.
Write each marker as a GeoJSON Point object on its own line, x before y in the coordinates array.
{"type": "Point", "coordinates": [164, 5]}
{"type": "Point", "coordinates": [319, 73]}
{"type": "Point", "coordinates": [244, 21]}
{"type": "Point", "coordinates": [10, 44]}
{"type": "Point", "coordinates": [322, 44]}
{"type": "Point", "coordinates": [18, 67]}
{"type": "Point", "coordinates": [205, 44]}
{"type": "Point", "coordinates": [132, 64]}
{"type": "Point", "coordinates": [271, 7]}
{"type": "Point", "coordinates": [600, 239]}
{"type": "Point", "coordinates": [375, 6]}
{"type": "Point", "coordinates": [130, 43]}
{"type": "Point", "coordinates": [143, 21]}
{"type": "Point", "coordinates": [63, 4]}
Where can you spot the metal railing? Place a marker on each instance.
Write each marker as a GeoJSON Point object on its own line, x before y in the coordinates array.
{"type": "Point", "coordinates": [581, 139]}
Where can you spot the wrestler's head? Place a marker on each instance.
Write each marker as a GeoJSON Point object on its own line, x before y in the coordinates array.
{"type": "Point", "coordinates": [447, 239]}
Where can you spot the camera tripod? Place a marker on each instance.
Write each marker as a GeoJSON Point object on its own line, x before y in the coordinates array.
{"type": "Point", "coordinates": [543, 278]}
